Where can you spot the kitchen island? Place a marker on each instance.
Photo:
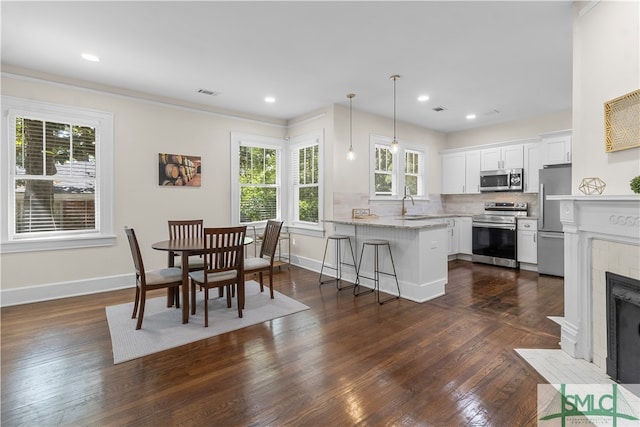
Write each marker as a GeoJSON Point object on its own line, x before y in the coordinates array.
{"type": "Point", "coordinates": [418, 246]}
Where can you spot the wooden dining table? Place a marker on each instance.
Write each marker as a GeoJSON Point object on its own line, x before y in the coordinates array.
{"type": "Point", "coordinates": [186, 248]}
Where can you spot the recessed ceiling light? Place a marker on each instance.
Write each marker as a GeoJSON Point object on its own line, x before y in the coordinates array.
{"type": "Point", "coordinates": [269, 99]}
{"type": "Point", "coordinates": [423, 98]}
{"type": "Point", "coordinates": [90, 57]}
{"type": "Point", "coordinates": [471, 116]}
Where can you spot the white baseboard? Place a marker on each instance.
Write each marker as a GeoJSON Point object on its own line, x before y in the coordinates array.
{"type": "Point", "coordinates": [26, 295]}
{"type": "Point", "coordinates": [52, 291]}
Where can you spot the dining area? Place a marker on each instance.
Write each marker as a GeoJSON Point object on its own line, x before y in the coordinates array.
{"type": "Point", "coordinates": [205, 258]}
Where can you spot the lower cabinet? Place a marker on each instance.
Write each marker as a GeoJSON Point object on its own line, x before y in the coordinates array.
{"type": "Point", "coordinates": [459, 236]}
{"type": "Point", "coordinates": [452, 231]}
{"type": "Point", "coordinates": [527, 241]}
{"type": "Point", "coordinates": [464, 232]}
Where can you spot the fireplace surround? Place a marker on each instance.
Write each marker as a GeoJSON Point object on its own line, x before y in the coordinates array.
{"type": "Point", "coordinates": [591, 223]}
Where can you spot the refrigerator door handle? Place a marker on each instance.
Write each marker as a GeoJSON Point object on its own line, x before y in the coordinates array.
{"type": "Point", "coordinates": [552, 235]}
{"type": "Point", "coordinates": [541, 207]}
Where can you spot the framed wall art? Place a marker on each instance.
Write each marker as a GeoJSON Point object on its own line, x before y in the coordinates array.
{"type": "Point", "coordinates": [622, 122]}
{"type": "Point", "coordinates": [179, 170]}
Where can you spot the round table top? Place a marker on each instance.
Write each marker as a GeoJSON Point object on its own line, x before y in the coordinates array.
{"type": "Point", "coordinates": [192, 244]}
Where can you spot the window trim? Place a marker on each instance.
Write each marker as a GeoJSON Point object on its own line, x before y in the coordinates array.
{"type": "Point", "coordinates": [296, 143]}
{"type": "Point", "coordinates": [239, 139]}
{"type": "Point", "coordinates": [104, 233]}
{"type": "Point", "coordinates": [398, 177]}
{"type": "Point", "coordinates": [286, 196]}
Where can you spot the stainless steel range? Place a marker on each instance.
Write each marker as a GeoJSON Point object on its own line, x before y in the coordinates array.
{"type": "Point", "coordinates": [494, 233]}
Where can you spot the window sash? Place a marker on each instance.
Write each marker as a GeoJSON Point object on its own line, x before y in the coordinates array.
{"type": "Point", "coordinates": [79, 168]}
{"type": "Point", "coordinates": [305, 167]}
{"type": "Point", "coordinates": [390, 173]}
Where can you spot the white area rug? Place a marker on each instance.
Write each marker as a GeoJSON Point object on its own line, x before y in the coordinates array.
{"type": "Point", "coordinates": [162, 327]}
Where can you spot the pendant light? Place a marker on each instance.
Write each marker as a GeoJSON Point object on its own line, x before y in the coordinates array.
{"type": "Point", "coordinates": [350, 154]}
{"type": "Point", "coordinates": [394, 143]}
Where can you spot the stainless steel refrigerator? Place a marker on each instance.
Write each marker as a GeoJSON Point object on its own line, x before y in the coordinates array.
{"type": "Point", "coordinates": [554, 180]}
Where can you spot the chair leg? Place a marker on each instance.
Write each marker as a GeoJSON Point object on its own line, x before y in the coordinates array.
{"type": "Point", "coordinates": [228, 296]}
{"type": "Point", "coordinates": [193, 298]}
{"type": "Point", "coordinates": [176, 294]}
{"type": "Point", "coordinates": [135, 304]}
{"type": "Point", "coordinates": [143, 300]}
{"type": "Point", "coordinates": [271, 281]}
{"type": "Point", "coordinates": [206, 307]}
{"type": "Point", "coordinates": [171, 297]}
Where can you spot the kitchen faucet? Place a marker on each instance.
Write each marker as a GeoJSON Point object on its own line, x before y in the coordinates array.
{"type": "Point", "coordinates": [404, 210]}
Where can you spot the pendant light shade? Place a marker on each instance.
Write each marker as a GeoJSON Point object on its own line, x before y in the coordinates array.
{"type": "Point", "coordinates": [350, 153]}
{"type": "Point", "coordinates": [394, 143]}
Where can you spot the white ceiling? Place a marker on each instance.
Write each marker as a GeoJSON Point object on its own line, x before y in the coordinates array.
{"type": "Point", "coordinates": [469, 57]}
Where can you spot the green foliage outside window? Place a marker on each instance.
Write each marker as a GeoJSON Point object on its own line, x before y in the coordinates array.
{"type": "Point", "coordinates": [258, 184]}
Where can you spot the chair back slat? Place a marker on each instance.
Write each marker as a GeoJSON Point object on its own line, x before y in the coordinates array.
{"type": "Point", "coordinates": [271, 237]}
{"type": "Point", "coordinates": [224, 249]}
{"type": "Point", "coordinates": [185, 229]}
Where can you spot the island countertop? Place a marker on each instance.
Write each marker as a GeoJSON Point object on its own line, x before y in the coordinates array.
{"type": "Point", "coordinates": [416, 222]}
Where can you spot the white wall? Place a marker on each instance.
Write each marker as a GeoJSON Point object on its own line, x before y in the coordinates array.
{"type": "Point", "coordinates": [512, 131]}
{"type": "Point", "coordinates": [142, 130]}
{"type": "Point", "coordinates": [606, 65]}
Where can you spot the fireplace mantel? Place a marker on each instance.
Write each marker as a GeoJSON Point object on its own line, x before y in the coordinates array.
{"type": "Point", "coordinates": [585, 218]}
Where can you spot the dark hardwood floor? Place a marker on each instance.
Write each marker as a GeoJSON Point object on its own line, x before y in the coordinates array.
{"type": "Point", "coordinates": [346, 361]}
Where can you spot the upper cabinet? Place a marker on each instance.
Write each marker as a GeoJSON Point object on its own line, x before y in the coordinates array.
{"type": "Point", "coordinates": [556, 148]}
{"type": "Point", "coordinates": [507, 157]}
{"type": "Point", "coordinates": [453, 178]}
{"type": "Point", "coordinates": [461, 172]}
{"type": "Point", "coordinates": [461, 167]}
{"type": "Point", "coordinates": [472, 169]}
{"type": "Point", "coordinates": [531, 167]}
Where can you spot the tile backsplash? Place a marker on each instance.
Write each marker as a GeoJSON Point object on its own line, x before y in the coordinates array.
{"type": "Point", "coordinates": [471, 204]}
{"type": "Point", "coordinates": [474, 203]}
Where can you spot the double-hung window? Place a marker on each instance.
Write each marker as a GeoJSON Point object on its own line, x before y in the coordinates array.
{"type": "Point", "coordinates": [306, 180]}
{"type": "Point", "coordinates": [57, 171]}
{"type": "Point", "coordinates": [394, 173]}
{"type": "Point", "coordinates": [274, 178]}
{"type": "Point", "coordinates": [257, 178]}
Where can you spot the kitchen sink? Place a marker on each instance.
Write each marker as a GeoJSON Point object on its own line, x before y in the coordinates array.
{"type": "Point", "coordinates": [414, 217]}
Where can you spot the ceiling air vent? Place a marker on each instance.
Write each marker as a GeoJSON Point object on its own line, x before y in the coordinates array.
{"type": "Point", "coordinates": [438, 109]}
{"type": "Point", "coordinates": [208, 92]}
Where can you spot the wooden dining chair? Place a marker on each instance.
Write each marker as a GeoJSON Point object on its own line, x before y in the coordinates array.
{"type": "Point", "coordinates": [184, 229]}
{"type": "Point", "coordinates": [170, 278]}
{"type": "Point", "coordinates": [224, 256]}
{"type": "Point", "coordinates": [264, 262]}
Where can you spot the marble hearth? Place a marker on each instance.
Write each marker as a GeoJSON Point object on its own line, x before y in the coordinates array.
{"type": "Point", "coordinates": [602, 233]}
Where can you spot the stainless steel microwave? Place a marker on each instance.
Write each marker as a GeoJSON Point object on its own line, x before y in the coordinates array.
{"type": "Point", "coordinates": [501, 180]}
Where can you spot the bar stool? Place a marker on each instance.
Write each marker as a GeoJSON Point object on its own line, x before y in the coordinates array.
{"type": "Point", "coordinates": [376, 244]}
{"type": "Point", "coordinates": [337, 239]}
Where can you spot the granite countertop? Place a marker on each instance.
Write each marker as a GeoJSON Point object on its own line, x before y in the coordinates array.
{"type": "Point", "coordinates": [429, 221]}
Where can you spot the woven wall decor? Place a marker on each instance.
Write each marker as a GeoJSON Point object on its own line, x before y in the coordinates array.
{"type": "Point", "coordinates": [622, 122]}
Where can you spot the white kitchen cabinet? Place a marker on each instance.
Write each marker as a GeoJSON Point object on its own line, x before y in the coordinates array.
{"type": "Point", "coordinates": [464, 235]}
{"type": "Point", "coordinates": [453, 176]}
{"type": "Point", "coordinates": [461, 172]}
{"type": "Point", "coordinates": [472, 172]}
{"type": "Point", "coordinates": [531, 167]}
{"type": "Point", "coordinates": [556, 148]}
{"type": "Point", "coordinates": [506, 157]}
{"type": "Point", "coordinates": [452, 231]}
{"type": "Point", "coordinates": [527, 241]}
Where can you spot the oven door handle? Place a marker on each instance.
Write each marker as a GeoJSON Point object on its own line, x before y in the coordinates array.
{"type": "Point", "coordinates": [511, 227]}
